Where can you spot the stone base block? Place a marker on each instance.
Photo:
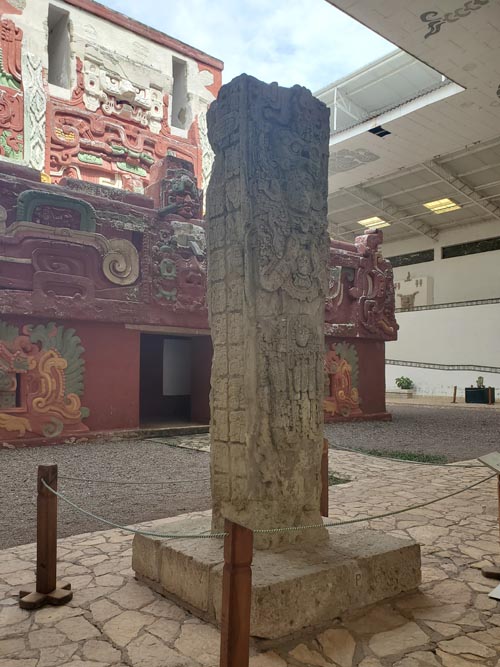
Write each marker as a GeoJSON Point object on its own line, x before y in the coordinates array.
{"type": "Point", "coordinates": [293, 589]}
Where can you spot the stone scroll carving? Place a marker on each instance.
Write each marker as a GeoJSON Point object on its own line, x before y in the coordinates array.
{"type": "Point", "coordinates": [267, 254]}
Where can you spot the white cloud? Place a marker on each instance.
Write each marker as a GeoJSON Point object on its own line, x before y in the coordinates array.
{"type": "Point", "coordinates": [290, 41]}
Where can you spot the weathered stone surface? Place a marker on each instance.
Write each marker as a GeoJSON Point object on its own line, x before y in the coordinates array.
{"type": "Point", "coordinates": [338, 646]}
{"type": "Point", "coordinates": [292, 588]}
{"type": "Point", "coordinates": [449, 660]}
{"type": "Point", "coordinates": [51, 615]}
{"type": "Point", "coordinates": [444, 629]}
{"type": "Point", "coordinates": [149, 651]}
{"type": "Point", "coordinates": [379, 619]}
{"type": "Point", "coordinates": [124, 627]}
{"type": "Point", "coordinates": [133, 596]}
{"type": "Point", "coordinates": [267, 258]}
{"type": "Point", "coordinates": [395, 641]}
{"type": "Point", "coordinates": [100, 651]}
{"type": "Point", "coordinates": [11, 646]}
{"type": "Point", "coordinates": [46, 638]}
{"type": "Point", "coordinates": [77, 628]}
{"type": "Point", "coordinates": [269, 659]}
{"type": "Point", "coordinates": [307, 656]}
{"type": "Point", "coordinates": [167, 630]}
{"type": "Point", "coordinates": [57, 655]}
{"type": "Point", "coordinates": [201, 642]}
{"type": "Point", "coordinates": [419, 659]}
{"type": "Point", "coordinates": [460, 645]}
{"type": "Point", "coordinates": [102, 610]}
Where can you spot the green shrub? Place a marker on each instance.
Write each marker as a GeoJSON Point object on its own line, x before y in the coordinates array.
{"type": "Point", "coordinates": [404, 382]}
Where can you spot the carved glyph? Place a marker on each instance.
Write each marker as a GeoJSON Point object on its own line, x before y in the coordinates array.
{"type": "Point", "coordinates": [268, 251]}
{"type": "Point", "coordinates": [35, 104]}
{"type": "Point", "coordinates": [111, 91]}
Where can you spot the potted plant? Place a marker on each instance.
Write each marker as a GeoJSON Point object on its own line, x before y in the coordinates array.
{"type": "Point", "coordinates": [405, 386]}
{"type": "Point", "coordinates": [404, 382]}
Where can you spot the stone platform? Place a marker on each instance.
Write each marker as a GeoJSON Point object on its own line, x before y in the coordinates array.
{"type": "Point", "coordinates": [293, 589]}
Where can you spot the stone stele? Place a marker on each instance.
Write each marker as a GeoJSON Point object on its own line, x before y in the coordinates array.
{"type": "Point", "coordinates": [267, 258]}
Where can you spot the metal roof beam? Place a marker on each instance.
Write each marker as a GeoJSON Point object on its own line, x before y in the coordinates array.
{"type": "Point", "coordinates": [342, 102]}
{"type": "Point", "coordinates": [460, 186]}
{"type": "Point", "coordinates": [392, 212]}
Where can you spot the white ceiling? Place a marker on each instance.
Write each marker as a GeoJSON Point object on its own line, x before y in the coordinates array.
{"type": "Point", "coordinates": [444, 136]}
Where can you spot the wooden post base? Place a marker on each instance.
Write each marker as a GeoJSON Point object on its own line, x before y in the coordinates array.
{"type": "Point", "coordinates": [33, 600]}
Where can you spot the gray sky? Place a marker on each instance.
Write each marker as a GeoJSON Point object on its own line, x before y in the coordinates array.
{"type": "Point", "coordinates": [308, 42]}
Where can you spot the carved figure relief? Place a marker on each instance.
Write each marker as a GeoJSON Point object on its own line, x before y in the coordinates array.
{"type": "Point", "coordinates": [108, 89]}
{"type": "Point", "coordinates": [179, 194]}
{"type": "Point", "coordinates": [179, 268]}
{"type": "Point", "coordinates": [361, 288]}
{"type": "Point", "coordinates": [54, 210]}
{"type": "Point", "coordinates": [341, 390]}
{"type": "Point", "coordinates": [41, 381]}
{"type": "Point", "coordinates": [268, 250]}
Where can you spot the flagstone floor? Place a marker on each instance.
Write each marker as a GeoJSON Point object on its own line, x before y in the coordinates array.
{"type": "Point", "coordinates": [115, 621]}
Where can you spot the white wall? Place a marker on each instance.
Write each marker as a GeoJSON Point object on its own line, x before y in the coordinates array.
{"type": "Point", "coordinates": [430, 382]}
{"type": "Point", "coordinates": [449, 336]}
{"type": "Point", "coordinates": [459, 278]}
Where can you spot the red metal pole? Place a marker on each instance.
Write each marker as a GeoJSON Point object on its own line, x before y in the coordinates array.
{"type": "Point", "coordinates": [236, 596]}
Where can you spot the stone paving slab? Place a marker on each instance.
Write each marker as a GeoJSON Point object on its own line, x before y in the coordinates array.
{"type": "Point", "coordinates": [115, 621]}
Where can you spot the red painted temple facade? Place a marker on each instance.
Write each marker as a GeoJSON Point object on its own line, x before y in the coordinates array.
{"type": "Point", "coordinates": [103, 319]}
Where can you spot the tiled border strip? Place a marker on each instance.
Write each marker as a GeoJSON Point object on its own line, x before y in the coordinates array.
{"type": "Point", "coordinates": [453, 304]}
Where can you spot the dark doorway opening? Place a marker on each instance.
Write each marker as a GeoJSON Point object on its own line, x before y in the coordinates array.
{"type": "Point", "coordinates": [174, 379]}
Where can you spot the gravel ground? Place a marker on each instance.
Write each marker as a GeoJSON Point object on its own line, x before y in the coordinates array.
{"type": "Point", "coordinates": [458, 433]}
{"type": "Point", "coordinates": [454, 432]}
{"type": "Point", "coordinates": [127, 460]}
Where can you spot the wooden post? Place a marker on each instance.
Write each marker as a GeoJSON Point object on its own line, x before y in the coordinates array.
{"type": "Point", "coordinates": [454, 394]}
{"type": "Point", "coordinates": [46, 590]}
{"type": "Point", "coordinates": [236, 596]}
{"type": "Point", "coordinates": [324, 479]}
{"type": "Point", "coordinates": [490, 396]}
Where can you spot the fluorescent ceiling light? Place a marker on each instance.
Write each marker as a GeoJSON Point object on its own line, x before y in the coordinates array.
{"type": "Point", "coordinates": [373, 223]}
{"type": "Point", "coordinates": [442, 205]}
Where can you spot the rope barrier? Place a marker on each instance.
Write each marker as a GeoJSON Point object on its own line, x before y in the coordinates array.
{"type": "Point", "coordinates": [285, 529]}
{"type": "Point", "coordinates": [117, 525]}
{"type": "Point", "coordinates": [393, 458]}
{"type": "Point", "coordinates": [126, 482]}
{"type": "Point", "coordinates": [335, 524]}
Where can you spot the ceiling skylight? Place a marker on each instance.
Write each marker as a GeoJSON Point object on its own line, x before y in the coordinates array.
{"type": "Point", "coordinates": [374, 223]}
{"type": "Point", "coordinates": [442, 205]}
